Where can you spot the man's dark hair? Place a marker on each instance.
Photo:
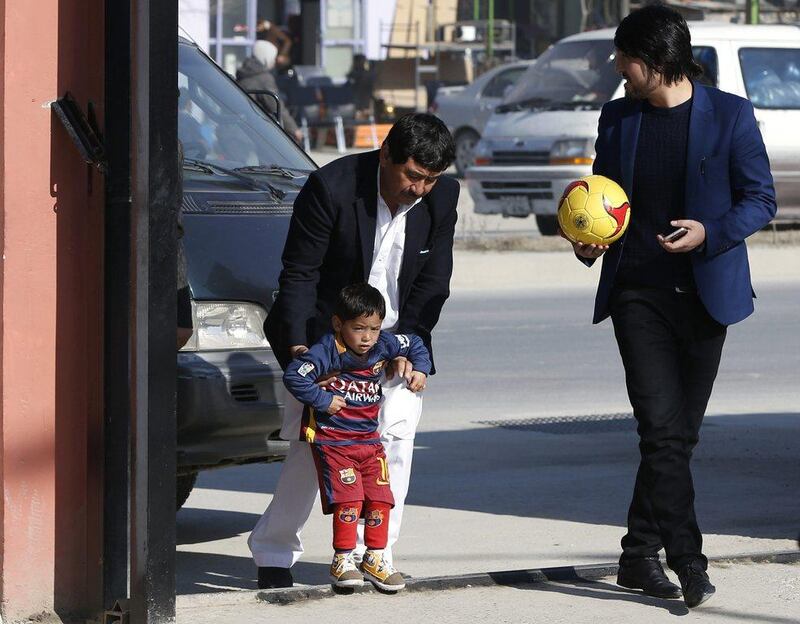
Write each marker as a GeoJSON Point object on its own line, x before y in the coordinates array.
{"type": "Point", "coordinates": [424, 138]}
{"type": "Point", "coordinates": [359, 300]}
{"type": "Point", "coordinates": [659, 36]}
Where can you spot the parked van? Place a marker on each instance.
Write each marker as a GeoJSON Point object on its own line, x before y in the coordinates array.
{"type": "Point", "coordinates": [543, 136]}
{"type": "Point", "coordinates": [241, 174]}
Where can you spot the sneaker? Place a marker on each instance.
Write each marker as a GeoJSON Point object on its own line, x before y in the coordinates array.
{"type": "Point", "coordinates": [344, 572]}
{"type": "Point", "coordinates": [380, 572]}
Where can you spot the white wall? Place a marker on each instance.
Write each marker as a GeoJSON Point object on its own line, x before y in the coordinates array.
{"type": "Point", "coordinates": [377, 12]}
{"type": "Point", "coordinates": [193, 16]}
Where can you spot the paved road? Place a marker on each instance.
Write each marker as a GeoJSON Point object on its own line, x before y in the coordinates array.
{"type": "Point", "coordinates": [541, 491]}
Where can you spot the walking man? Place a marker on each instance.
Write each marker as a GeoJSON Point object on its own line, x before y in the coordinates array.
{"type": "Point", "coordinates": [386, 217]}
{"type": "Point", "coordinates": [691, 158]}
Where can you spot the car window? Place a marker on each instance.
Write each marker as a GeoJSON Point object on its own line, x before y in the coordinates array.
{"type": "Point", "coordinates": [573, 71]}
{"type": "Point", "coordinates": [497, 86]}
{"type": "Point", "coordinates": [706, 56]}
{"type": "Point", "coordinates": [220, 124]}
{"type": "Point", "coordinates": [771, 76]}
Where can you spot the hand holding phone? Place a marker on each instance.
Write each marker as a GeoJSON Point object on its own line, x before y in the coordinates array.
{"type": "Point", "coordinates": [675, 235]}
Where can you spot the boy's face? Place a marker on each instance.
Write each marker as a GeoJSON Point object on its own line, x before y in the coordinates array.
{"type": "Point", "coordinates": [359, 334]}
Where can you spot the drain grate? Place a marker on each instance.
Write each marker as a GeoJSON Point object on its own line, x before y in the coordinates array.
{"type": "Point", "coordinates": [590, 423]}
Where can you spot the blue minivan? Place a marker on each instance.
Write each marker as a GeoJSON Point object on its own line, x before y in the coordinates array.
{"type": "Point", "coordinates": [241, 174]}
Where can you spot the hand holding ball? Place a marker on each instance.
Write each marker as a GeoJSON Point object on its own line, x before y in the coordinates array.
{"type": "Point", "coordinates": [593, 210]}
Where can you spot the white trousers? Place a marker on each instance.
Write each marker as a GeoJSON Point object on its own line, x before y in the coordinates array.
{"type": "Point", "coordinates": [275, 540]}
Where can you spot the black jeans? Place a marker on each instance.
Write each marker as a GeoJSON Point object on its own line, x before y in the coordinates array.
{"type": "Point", "coordinates": [670, 349]}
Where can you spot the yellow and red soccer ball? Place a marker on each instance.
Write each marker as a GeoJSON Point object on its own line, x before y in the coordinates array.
{"type": "Point", "coordinates": [594, 209]}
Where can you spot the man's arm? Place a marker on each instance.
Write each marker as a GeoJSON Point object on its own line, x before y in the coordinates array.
{"type": "Point", "coordinates": [751, 185]}
{"type": "Point", "coordinates": [409, 346]}
{"type": "Point", "coordinates": [305, 249]}
{"type": "Point", "coordinates": [301, 376]}
{"type": "Point", "coordinates": [431, 288]}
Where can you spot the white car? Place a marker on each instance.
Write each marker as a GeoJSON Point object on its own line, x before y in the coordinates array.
{"type": "Point", "coordinates": [543, 136]}
{"type": "Point", "coordinates": [466, 109]}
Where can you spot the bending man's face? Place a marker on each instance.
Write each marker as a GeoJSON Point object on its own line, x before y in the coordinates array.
{"type": "Point", "coordinates": [404, 183]}
{"type": "Point", "coordinates": [640, 82]}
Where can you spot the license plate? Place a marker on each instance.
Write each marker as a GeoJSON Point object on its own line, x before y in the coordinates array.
{"type": "Point", "coordinates": [515, 205]}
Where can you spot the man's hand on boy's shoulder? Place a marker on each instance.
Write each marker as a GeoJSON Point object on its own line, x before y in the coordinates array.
{"type": "Point", "coordinates": [400, 366]}
{"type": "Point", "coordinates": [417, 381]}
{"type": "Point", "coordinates": [297, 350]}
{"type": "Point", "coordinates": [337, 403]}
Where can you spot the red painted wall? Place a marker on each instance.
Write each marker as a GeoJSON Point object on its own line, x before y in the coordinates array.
{"type": "Point", "coordinates": [51, 214]}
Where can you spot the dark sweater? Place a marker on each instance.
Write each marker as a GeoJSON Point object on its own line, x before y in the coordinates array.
{"type": "Point", "coordinates": [659, 183]}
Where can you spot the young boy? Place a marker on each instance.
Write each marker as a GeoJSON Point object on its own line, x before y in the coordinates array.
{"type": "Point", "coordinates": [341, 424]}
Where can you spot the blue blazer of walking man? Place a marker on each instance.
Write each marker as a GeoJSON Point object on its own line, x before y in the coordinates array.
{"type": "Point", "coordinates": [688, 156]}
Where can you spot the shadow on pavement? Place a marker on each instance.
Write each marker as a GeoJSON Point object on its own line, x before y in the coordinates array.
{"type": "Point", "coordinates": [745, 468]}
{"type": "Point", "coordinates": [198, 573]}
{"type": "Point", "coordinates": [597, 590]}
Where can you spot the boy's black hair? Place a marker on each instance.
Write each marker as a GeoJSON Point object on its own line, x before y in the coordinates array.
{"type": "Point", "coordinates": [359, 300]}
{"type": "Point", "coordinates": [423, 137]}
{"type": "Point", "coordinates": [659, 36]}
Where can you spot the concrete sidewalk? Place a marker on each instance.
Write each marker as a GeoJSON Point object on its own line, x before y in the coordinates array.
{"type": "Point", "coordinates": [749, 593]}
{"type": "Point", "coordinates": [522, 270]}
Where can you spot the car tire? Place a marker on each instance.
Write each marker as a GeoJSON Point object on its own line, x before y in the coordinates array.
{"type": "Point", "coordinates": [466, 140]}
{"type": "Point", "coordinates": [183, 487]}
{"type": "Point", "coordinates": [547, 224]}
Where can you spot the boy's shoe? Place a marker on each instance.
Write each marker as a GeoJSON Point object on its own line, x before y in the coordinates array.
{"type": "Point", "coordinates": [344, 572]}
{"type": "Point", "coordinates": [380, 572]}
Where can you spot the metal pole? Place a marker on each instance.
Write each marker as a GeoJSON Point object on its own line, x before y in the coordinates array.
{"type": "Point", "coordinates": [753, 11]}
{"type": "Point", "coordinates": [116, 337]}
{"type": "Point", "coordinates": [155, 183]}
{"type": "Point", "coordinates": [490, 38]}
{"type": "Point", "coordinates": [476, 10]}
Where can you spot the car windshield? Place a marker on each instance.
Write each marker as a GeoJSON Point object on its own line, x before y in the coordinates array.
{"type": "Point", "coordinates": [772, 76]}
{"type": "Point", "coordinates": [219, 124]}
{"type": "Point", "coordinates": [572, 72]}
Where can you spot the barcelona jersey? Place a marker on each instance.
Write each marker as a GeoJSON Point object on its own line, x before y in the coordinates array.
{"type": "Point", "coordinates": [357, 380]}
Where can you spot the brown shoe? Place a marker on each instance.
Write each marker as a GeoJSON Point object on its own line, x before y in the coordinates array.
{"type": "Point", "coordinates": [344, 572]}
{"type": "Point", "coordinates": [380, 572]}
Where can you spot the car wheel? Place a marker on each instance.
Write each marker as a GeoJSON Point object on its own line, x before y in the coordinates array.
{"type": "Point", "coordinates": [466, 140]}
{"type": "Point", "coordinates": [183, 487]}
{"type": "Point", "coordinates": [547, 224]}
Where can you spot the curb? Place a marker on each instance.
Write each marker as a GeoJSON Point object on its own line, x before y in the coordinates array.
{"type": "Point", "coordinates": [590, 572]}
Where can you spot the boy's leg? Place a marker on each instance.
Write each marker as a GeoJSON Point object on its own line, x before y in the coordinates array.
{"type": "Point", "coordinates": [375, 565]}
{"type": "Point", "coordinates": [275, 540]}
{"type": "Point", "coordinates": [344, 571]}
{"type": "Point", "coordinates": [345, 521]}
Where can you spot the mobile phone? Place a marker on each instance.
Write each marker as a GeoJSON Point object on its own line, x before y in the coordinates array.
{"type": "Point", "coordinates": [676, 235]}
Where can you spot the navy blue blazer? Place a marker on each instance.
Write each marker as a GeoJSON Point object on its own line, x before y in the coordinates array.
{"type": "Point", "coordinates": [729, 190]}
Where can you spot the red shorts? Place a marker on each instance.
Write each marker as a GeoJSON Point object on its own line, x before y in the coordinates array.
{"type": "Point", "coordinates": [353, 473]}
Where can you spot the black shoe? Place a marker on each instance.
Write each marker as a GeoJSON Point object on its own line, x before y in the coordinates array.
{"type": "Point", "coordinates": [696, 586]}
{"type": "Point", "coordinates": [271, 578]}
{"type": "Point", "coordinates": [646, 574]}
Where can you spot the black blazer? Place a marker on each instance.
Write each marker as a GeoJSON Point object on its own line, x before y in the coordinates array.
{"type": "Point", "coordinates": [330, 245]}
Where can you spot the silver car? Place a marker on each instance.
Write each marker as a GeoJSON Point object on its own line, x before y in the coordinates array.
{"type": "Point", "coordinates": [466, 109]}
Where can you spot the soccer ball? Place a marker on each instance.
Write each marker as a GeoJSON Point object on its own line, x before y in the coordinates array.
{"type": "Point", "coordinates": [593, 209]}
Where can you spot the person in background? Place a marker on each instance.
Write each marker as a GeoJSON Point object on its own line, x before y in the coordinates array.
{"type": "Point", "coordinates": [362, 79]}
{"type": "Point", "coordinates": [267, 31]}
{"type": "Point", "coordinates": [255, 74]}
